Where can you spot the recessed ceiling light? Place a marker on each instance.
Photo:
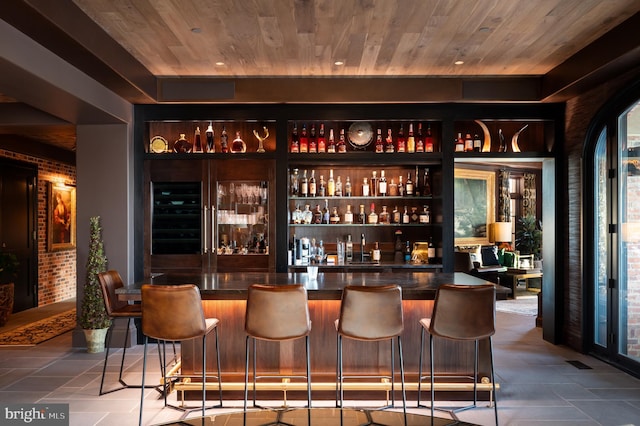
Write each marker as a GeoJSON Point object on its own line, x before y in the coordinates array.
{"type": "Point", "coordinates": [338, 63]}
{"type": "Point", "coordinates": [219, 63]}
{"type": "Point", "coordinates": [459, 62]}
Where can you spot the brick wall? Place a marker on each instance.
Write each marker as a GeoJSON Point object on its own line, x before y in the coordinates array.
{"type": "Point", "coordinates": [56, 270]}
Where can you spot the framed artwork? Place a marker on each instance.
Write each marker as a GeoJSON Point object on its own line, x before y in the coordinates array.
{"type": "Point", "coordinates": [61, 217]}
{"type": "Point", "coordinates": [474, 206]}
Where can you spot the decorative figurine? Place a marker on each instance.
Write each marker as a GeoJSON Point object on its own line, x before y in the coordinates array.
{"type": "Point", "coordinates": [261, 139]}
{"type": "Point", "coordinates": [514, 139]}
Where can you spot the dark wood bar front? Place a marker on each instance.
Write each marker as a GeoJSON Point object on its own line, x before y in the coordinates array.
{"type": "Point", "coordinates": [224, 296]}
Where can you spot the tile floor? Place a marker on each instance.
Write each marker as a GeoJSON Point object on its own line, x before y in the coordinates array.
{"type": "Point", "coordinates": [538, 386]}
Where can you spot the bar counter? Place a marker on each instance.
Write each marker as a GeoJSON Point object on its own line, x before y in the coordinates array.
{"type": "Point", "coordinates": [224, 297]}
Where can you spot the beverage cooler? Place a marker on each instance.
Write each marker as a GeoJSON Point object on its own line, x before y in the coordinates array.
{"type": "Point", "coordinates": [209, 215]}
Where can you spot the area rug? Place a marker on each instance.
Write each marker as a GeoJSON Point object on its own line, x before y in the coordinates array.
{"type": "Point", "coordinates": [39, 331]}
{"type": "Point", "coordinates": [525, 305]}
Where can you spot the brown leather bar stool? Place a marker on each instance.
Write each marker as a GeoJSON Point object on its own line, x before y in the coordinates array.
{"type": "Point", "coordinates": [275, 313]}
{"type": "Point", "coordinates": [174, 313]}
{"type": "Point", "coordinates": [461, 312]}
{"type": "Point", "coordinates": [371, 313]}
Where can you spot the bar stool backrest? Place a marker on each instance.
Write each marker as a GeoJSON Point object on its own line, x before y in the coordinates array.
{"type": "Point", "coordinates": [110, 281]}
{"type": "Point", "coordinates": [172, 312]}
{"type": "Point", "coordinates": [277, 312]}
{"type": "Point", "coordinates": [371, 312]}
{"type": "Point", "coordinates": [464, 312]}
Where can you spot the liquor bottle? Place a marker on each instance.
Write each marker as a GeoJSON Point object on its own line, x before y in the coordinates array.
{"type": "Point", "coordinates": [408, 186]}
{"type": "Point", "coordinates": [322, 187]}
{"type": "Point", "coordinates": [407, 252]}
{"type": "Point", "coordinates": [389, 147]}
{"type": "Point", "coordinates": [294, 185]}
{"type": "Point", "coordinates": [224, 140]}
{"type": "Point", "coordinates": [372, 219]}
{"type": "Point", "coordinates": [383, 217]}
{"type": "Point", "coordinates": [335, 217]}
{"type": "Point", "coordinates": [304, 139]}
{"type": "Point", "coordinates": [313, 140]}
{"type": "Point", "coordinates": [365, 187]}
{"type": "Point", "coordinates": [379, 142]}
{"type": "Point", "coordinates": [362, 216]}
{"type": "Point", "coordinates": [401, 142]}
{"type": "Point", "coordinates": [317, 215]}
{"type": "Point", "coordinates": [322, 144]}
{"type": "Point", "coordinates": [393, 188]}
{"type": "Point", "coordinates": [431, 251]}
{"type": "Point", "coordinates": [313, 188]}
{"type": "Point", "coordinates": [348, 216]}
{"type": "Point", "coordinates": [348, 248]}
{"type": "Point", "coordinates": [428, 140]}
{"type": "Point", "coordinates": [415, 216]}
{"type": "Point", "coordinates": [238, 144]}
{"type": "Point", "coordinates": [211, 147]}
{"type": "Point", "coordinates": [468, 143]}
{"type": "Point", "coordinates": [398, 248]}
{"type": "Point", "coordinates": [396, 217]}
{"type": "Point", "coordinates": [426, 183]}
{"type": "Point", "coordinates": [197, 143]}
{"type": "Point", "coordinates": [347, 187]}
{"type": "Point", "coordinates": [405, 216]}
{"type": "Point", "coordinates": [375, 254]}
{"type": "Point", "coordinates": [304, 185]}
{"type": "Point", "coordinates": [373, 184]}
{"type": "Point", "coordinates": [477, 143]}
{"type": "Point", "coordinates": [296, 216]}
{"type": "Point", "coordinates": [382, 185]}
{"type": "Point", "coordinates": [416, 183]}
{"type": "Point", "coordinates": [338, 187]}
{"type": "Point", "coordinates": [325, 212]}
{"type": "Point", "coordinates": [459, 142]}
{"type": "Point", "coordinates": [401, 188]}
{"type": "Point", "coordinates": [294, 146]}
{"type": "Point", "coordinates": [307, 215]}
{"type": "Point", "coordinates": [342, 144]}
{"type": "Point", "coordinates": [331, 185]}
{"type": "Point", "coordinates": [424, 216]}
{"type": "Point", "coordinates": [411, 140]}
{"type": "Point", "coordinates": [331, 147]}
{"type": "Point", "coordinates": [420, 139]}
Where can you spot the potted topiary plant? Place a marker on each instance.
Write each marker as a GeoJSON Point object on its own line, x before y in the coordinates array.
{"type": "Point", "coordinates": [529, 236]}
{"type": "Point", "coordinates": [93, 317]}
{"type": "Point", "coordinates": [8, 267]}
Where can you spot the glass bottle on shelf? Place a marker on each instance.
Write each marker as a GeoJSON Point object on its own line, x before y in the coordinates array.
{"type": "Point", "coordinates": [365, 187]}
{"type": "Point", "coordinates": [408, 186]}
{"type": "Point", "coordinates": [322, 143]}
{"type": "Point", "coordinates": [372, 219]}
{"type": "Point", "coordinates": [405, 216]}
{"type": "Point", "coordinates": [407, 252]}
{"type": "Point", "coordinates": [389, 147]}
{"type": "Point", "coordinates": [401, 188]}
{"type": "Point", "coordinates": [411, 140]}
{"type": "Point", "coordinates": [317, 215]}
{"type": "Point", "coordinates": [420, 139]}
{"type": "Point", "coordinates": [431, 251]}
{"type": "Point", "coordinates": [347, 188]}
{"type": "Point", "coordinates": [375, 254]}
{"type": "Point", "coordinates": [325, 212]}
{"type": "Point", "coordinates": [322, 187]}
{"type": "Point", "coordinates": [334, 219]}
{"type": "Point", "coordinates": [182, 145]}
{"type": "Point", "coordinates": [295, 141]}
{"type": "Point", "coordinates": [477, 143]}
{"type": "Point", "coordinates": [428, 140]}
{"type": "Point", "coordinates": [348, 248]}
{"type": "Point", "coordinates": [294, 185]}
{"type": "Point", "coordinates": [342, 144]}
{"type": "Point", "coordinates": [304, 184]}
{"type": "Point", "coordinates": [383, 217]}
{"type": "Point", "coordinates": [304, 139]}
{"type": "Point", "coordinates": [331, 185]}
{"type": "Point", "coordinates": [459, 143]}
{"type": "Point", "coordinates": [396, 216]}
{"type": "Point", "coordinates": [424, 216]}
{"type": "Point", "coordinates": [313, 141]}
{"type": "Point", "coordinates": [382, 184]}
{"type": "Point", "coordinates": [393, 188]}
{"type": "Point", "coordinates": [379, 142]}
{"type": "Point", "coordinates": [373, 184]}
{"type": "Point", "coordinates": [416, 183]}
{"type": "Point", "coordinates": [339, 187]}
{"type": "Point", "coordinates": [362, 216]}
{"type": "Point", "coordinates": [331, 146]}
{"type": "Point", "coordinates": [209, 135]}
{"type": "Point", "coordinates": [468, 143]}
{"type": "Point", "coordinates": [312, 184]}
{"type": "Point", "coordinates": [224, 140]}
{"type": "Point", "coordinates": [426, 183]}
{"type": "Point", "coordinates": [320, 252]}
{"type": "Point", "coordinates": [238, 145]}
{"type": "Point", "coordinates": [307, 215]}
{"type": "Point", "coordinates": [197, 143]}
{"type": "Point", "coordinates": [401, 142]}
{"type": "Point", "coordinates": [348, 216]}
{"type": "Point", "coordinates": [415, 216]}
{"type": "Point", "coordinates": [296, 216]}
